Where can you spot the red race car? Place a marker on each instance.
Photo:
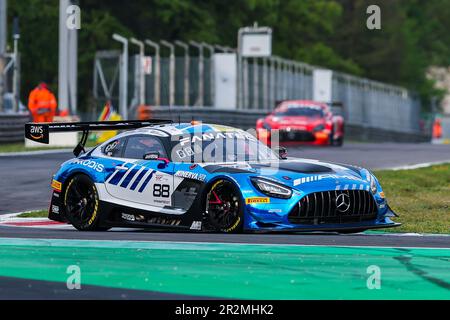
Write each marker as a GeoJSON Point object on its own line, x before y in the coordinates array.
{"type": "Point", "coordinates": [303, 121]}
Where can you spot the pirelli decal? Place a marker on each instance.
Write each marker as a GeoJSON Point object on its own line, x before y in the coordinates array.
{"type": "Point", "coordinates": [255, 200]}
{"type": "Point", "coordinates": [56, 185]}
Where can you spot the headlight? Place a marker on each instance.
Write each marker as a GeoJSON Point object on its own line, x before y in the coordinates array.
{"type": "Point", "coordinates": [320, 127]}
{"type": "Point", "coordinates": [373, 185]}
{"type": "Point", "coordinates": [272, 189]}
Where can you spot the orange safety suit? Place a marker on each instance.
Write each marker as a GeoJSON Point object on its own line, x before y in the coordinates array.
{"type": "Point", "coordinates": [437, 129]}
{"type": "Point", "coordinates": [42, 104]}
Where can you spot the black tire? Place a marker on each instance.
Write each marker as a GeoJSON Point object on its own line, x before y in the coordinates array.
{"type": "Point", "coordinates": [339, 142]}
{"type": "Point", "coordinates": [81, 203]}
{"type": "Point", "coordinates": [224, 207]}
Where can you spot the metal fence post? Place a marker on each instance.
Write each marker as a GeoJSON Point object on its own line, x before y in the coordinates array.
{"type": "Point", "coordinates": [255, 83]}
{"type": "Point", "coordinates": [211, 71]}
{"type": "Point", "coordinates": [265, 84]}
{"type": "Point", "coordinates": [199, 101]}
{"type": "Point", "coordinates": [171, 71]}
{"type": "Point", "coordinates": [245, 91]}
{"type": "Point", "coordinates": [123, 104]}
{"type": "Point", "coordinates": [157, 81]}
{"type": "Point", "coordinates": [140, 44]}
{"type": "Point", "coordinates": [185, 46]}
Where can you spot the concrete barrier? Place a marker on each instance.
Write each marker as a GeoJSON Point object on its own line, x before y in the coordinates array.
{"type": "Point", "coordinates": [246, 119]}
{"type": "Point", "coordinates": [12, 127]}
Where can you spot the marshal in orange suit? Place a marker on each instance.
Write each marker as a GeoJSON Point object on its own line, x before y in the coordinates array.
{"type": "Point", "coordinates": [42, 104]}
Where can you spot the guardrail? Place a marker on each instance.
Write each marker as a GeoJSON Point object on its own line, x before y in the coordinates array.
{"type": "Point", "coordinates": [12, 127]}
{"type": "Point", "coordinates": [246, 119]}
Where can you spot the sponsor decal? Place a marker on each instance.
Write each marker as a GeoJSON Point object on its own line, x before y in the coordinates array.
{"type": "Point", "coordinates": [36, 132]}
{"type": "Point", "coordinates": [191, 175]}
{"type": "Point", "coordinates": [157, 133]}
{"type": "Point", "coordinates": [128, 217]}
{"type": "Point", "coordinates": [254, 200]}
{"type": "Point", "coordinates": [151, 156]}
{"type": "Point", "coordinates": [90, 164]}
{"type": "Point", "coordinates": [315, 178]}
{"type": "Point", "coordinates": [56, 185]}
{"type": "Point", "coordinates": [196, 225]}
{"type": "Point", "coordinates": [55, 209]}
{"type": "Point", "coordinates": [210, 136]}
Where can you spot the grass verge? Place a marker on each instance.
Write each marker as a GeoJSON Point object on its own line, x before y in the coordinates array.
{"type": "Point", "coordinates": [34, 214]}
{"type": "Point", "coordinates": [421, 197]}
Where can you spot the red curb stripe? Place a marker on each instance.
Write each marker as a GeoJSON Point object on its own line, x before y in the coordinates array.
{"type": "Point", "coordinates": [33, 223]}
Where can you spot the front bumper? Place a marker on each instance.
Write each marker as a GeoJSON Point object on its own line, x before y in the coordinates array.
{"type": "Point", "coordinates": [295, 136]}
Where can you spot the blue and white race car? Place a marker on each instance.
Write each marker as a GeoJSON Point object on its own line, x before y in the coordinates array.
{"type": "Point", "coordinates": [204, 177]}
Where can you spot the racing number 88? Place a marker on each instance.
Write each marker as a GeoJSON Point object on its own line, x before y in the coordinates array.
{"type": "Point", "coordinates": [161, 190]}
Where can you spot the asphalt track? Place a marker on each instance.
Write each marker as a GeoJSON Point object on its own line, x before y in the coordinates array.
{"type": "Point", "coordinates": [375, 239]}
{"type": "Point", "coordinates": [25, 179]}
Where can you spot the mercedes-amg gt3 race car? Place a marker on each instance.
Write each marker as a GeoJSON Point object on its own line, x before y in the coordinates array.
{"type": "Point", "coordinates": [305, 122]}
{"type": "Point", "coordinates": [205, 177]}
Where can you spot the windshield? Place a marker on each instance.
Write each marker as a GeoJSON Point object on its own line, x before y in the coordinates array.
{"type": "Point", "coordinates": [228, 147]}
{"type": "Point", "coordinates": [299, 111]}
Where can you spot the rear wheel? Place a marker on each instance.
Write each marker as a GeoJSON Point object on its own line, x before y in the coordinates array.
{"type": "Point", "coordinates": [224, 208]}
{"type": "Point", "coordinates": [339, 142]}
{"type": "Point", "coordinates": [81, 203]}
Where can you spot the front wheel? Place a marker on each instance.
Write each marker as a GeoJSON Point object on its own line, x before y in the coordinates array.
{"type": "Point", "coordinates": [81, 203]}
{"type": "Point", "coordinates": [224, 207]}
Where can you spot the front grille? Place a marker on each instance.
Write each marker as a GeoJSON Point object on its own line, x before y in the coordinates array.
{"type": "Point", "coordinates": [322, 207]}
{"type": "Point", "coordinates": [296, 135]}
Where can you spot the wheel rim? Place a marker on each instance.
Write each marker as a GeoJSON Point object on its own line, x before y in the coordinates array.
{"type": "Point", "coordinates": [80, 201]}
{"type": "Point", "coordinates": [223, 206]}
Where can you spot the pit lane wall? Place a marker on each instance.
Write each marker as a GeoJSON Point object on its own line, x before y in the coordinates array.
{"type": "Point", "coordinates": [12, 127]}
{"type": "Point", "coordinates": [246, 119]}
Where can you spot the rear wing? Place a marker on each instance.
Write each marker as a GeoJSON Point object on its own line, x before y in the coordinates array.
{"type": "Point", "coordinates": [40, 132]}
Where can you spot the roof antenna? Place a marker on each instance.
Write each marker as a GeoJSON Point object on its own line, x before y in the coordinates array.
{"type": "Point", "coordinates": [179, 119]}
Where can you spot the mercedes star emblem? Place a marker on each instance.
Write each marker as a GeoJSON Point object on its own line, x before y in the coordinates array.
{"type": "Point", "coordinates": [343, 202]}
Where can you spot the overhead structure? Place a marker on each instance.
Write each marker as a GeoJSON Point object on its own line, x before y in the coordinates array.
{"type": "Point", "coordinates": [68, 61]}
{"type": "Point", "coordinates": [253, 42]}
{"type": "Point", "coordinates": [3, 33]}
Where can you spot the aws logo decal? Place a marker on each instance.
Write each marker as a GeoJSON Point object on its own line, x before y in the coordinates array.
{"type": "Point", "coordinates": [37, 132]}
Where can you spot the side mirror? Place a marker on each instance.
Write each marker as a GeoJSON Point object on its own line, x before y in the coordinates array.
{"type": "Point", "coordinates": [282, 153]}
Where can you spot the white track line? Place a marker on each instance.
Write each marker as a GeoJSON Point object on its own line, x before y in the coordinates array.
{"type": "Point", "coordinates": [140, 244]}
{"type": "Point", "coordinates": [33, 153]}
{"type": "Point", "coordinates": [417, 166]}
